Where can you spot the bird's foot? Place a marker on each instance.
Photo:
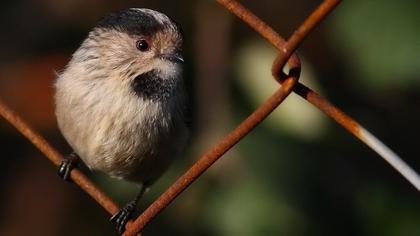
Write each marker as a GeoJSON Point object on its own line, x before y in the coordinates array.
{"type": "Point", "coordinates": [125, 214]}
{"type": "Point", "coordinates": [67, 165]}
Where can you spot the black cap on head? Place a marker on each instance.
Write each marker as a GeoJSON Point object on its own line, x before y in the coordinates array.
{"type": "Point", "coordinates": [137, 21]}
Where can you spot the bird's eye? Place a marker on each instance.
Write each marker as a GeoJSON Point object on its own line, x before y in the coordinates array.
{"type": "Point", "coordinates": [142, 45]}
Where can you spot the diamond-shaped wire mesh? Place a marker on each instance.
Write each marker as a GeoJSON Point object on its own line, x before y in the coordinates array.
{"type": "Point", "coordinates": [289, 83]}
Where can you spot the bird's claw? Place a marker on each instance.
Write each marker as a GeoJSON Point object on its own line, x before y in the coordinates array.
{"type": "Point", "coordinates": [121, 218]}
{"type": "Point", "coordinates": [66, 166]}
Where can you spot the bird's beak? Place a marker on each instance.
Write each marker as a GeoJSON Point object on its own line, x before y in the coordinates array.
{"type": "Point", "coordinates": [175, 56]}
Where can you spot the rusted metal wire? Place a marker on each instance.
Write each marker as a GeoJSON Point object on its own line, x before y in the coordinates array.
{"type": "Point", "coordinates": [332, 111]}
{"type": "Point", "coordinates": [312, 97]}
{"type": "Point", "coordinates": [304, 29]}
{"type": "Point", "coordinates": [289, 83]}
{"type": "Point", "coordinates": [55, 157]}
{"type": "Point", "coordinates": [359, 132]}
{"type": "Point", "coordinates": [286, 50]}
{"type": "Point", "coordinates": [264, 30]}
{"type": "Point", "coordinates": [212, 156]}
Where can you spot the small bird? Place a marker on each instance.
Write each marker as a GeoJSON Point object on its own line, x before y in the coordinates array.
{"type": "Point", "coordinates": [120, 102]}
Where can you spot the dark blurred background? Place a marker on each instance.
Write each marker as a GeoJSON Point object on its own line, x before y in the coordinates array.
{"type": "Point", "coordinates": [298, 173]}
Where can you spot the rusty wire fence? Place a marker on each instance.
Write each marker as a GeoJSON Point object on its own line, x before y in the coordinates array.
{"type": "Point", "coordinates": [289, 83]}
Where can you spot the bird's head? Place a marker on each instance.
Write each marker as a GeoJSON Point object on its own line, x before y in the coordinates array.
{"type": "Point", "coordinates": [141, 47]}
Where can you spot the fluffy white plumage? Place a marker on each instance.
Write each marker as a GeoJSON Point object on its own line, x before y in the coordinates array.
{"type": "Point", "coordinates": [104, 120]}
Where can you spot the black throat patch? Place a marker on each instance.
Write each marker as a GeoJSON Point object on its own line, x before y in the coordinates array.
{"type": "Point", "coordinates": [151, 86]}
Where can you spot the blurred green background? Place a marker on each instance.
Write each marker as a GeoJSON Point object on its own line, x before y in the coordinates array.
{"type": "Point", "coordinates": [298, 173]}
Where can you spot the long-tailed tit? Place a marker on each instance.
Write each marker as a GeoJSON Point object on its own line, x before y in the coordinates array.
{"type": "Point", "coordinates": [120, 102]}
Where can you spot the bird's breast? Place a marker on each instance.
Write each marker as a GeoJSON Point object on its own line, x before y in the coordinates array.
{"type": "Point", "coordinates": [127, 136]}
